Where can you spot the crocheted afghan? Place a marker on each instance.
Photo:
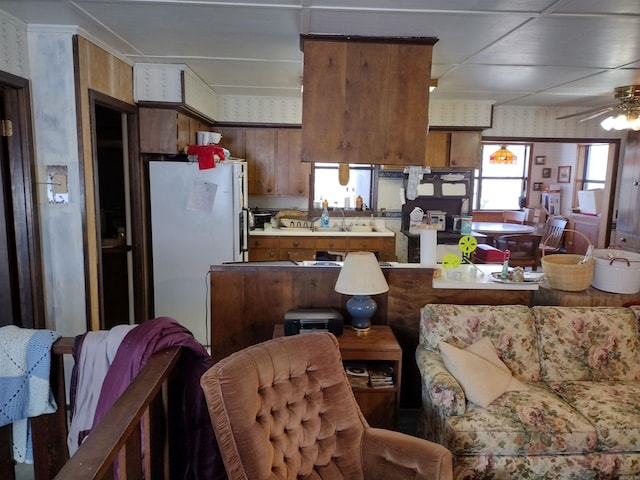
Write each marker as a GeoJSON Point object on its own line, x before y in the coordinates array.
{"type": "Point", "coordinates": [25, 364]}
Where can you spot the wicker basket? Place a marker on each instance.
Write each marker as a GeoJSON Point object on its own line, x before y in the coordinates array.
{"type": "Point", "coordinates": [564, 271]}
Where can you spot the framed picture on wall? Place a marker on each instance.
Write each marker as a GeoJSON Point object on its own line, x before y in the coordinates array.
{"type": "Point", "coordinates": [541, 160]}
{"type": "Point", "coordinates": [537, 186]}
{"type": "Point", "coordinates": [546, 173]}
{"type": "Point", "coordinates": [564, 174]}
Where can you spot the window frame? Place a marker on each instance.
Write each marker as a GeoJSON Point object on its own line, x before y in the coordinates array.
{"type": "Point", "coordinates": [373, 187]}
{"type": "Point", "coordinates": [494, 145]}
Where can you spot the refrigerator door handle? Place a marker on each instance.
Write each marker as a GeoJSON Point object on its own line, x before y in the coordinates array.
{"type": "Point", "coordinates": [244, 233]}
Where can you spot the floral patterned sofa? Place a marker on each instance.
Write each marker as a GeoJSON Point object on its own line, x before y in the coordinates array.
{"type": "Point", "coordinates": [578, 413]}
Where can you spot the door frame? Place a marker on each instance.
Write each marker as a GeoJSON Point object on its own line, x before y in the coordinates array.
{"type": "Point", "coordinates": [26, 219]}
{"type": "Point", "coordinates": [138, 236]}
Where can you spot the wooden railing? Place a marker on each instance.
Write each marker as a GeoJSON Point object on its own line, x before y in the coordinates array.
{"type": "Point", "coordinates": [117, 437]}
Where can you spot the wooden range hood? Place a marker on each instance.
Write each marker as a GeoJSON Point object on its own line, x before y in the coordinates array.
{"type": "Point", "coordinates": [365, 99]}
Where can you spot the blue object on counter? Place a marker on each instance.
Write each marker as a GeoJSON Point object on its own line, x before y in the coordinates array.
{"type": "Point", "coordinates": [324, 219]}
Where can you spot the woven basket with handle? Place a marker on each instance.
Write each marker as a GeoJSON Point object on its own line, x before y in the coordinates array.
{"type": "Point", "coordinates": [566, 271]}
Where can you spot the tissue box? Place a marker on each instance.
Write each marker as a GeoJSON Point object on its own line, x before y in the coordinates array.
{"type": "Point", "coordinates": [488, 254]}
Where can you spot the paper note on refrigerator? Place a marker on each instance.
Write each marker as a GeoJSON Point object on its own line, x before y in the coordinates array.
{"type": "Point", "coordinates": [202, 196]}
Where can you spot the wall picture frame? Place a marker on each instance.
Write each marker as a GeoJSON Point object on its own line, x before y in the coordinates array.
{"type": "Point", "coordinates": [537, 186]}
{"type": "Point", "coordinates": [564, 174]}
{"type": "Point", "coordinates": [541, 160]}
{"type": "Point", "coordinates": [546, 172]}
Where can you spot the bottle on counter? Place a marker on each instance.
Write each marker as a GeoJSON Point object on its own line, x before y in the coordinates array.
{"type": "Point", "coordinates": [347, 200]}
{"type": "Point", "coordinates": [325, 203]}
{"type": "Point", "coordinates": [505, 265]}
{"type": "Point", "coordinates": [359, 203]}
{"type": "Point", "coordinates": [324, 218]}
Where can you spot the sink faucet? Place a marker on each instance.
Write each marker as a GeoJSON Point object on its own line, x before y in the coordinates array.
{"type": "Point", "coordinates": [344, 225]}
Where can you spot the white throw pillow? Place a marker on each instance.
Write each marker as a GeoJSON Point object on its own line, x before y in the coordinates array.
{"type": "Point", "coordinates": [479, 370]}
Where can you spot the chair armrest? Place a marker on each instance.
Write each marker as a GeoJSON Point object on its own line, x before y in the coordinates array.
{"type": "Point", "coordinates": [389, 454]}
{"type": "Point", "coordinates": [439, 388]}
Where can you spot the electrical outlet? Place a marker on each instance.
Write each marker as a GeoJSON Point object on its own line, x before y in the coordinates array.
{"type": "Point", "coordinates": [57, 184]}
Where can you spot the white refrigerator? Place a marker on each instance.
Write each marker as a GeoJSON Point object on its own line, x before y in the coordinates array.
{"type": "Point", "coordinates": [199, 218]}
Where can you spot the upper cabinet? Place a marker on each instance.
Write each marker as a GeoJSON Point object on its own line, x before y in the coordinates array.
{"type": "Point", "coordinates": [453, 149]}
{"type": "Point", "coordinates": [165, 130]}
{"type": "Point", "coordinates": [273, 158]}
{"type": "Point", "coordinates": [365, 100]}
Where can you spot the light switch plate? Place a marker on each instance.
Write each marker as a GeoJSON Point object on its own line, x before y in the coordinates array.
{"type": "Point", "coordinates": [57, 185]}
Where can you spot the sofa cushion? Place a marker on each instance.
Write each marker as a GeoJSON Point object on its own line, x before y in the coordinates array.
{"type": "Point", "coordinates": [479, 370]}
{"type": "Point", "coordinates": [481, 380]}
{"type": "Point", "coordinates": [510, 328]}
{"type": "Point", "coordinates": [527, 422]}
{"type": "Point", "coordinates": [587, 343]}
{"type": "Point", "coordinates": [612, 407]}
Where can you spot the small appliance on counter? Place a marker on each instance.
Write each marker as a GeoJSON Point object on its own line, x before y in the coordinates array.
{"type": "Point", "coordinates": [260, 217]}
{"type": "Point", "coordinates": [307, 320]}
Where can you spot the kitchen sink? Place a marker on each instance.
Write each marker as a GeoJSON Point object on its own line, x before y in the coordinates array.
{"type": "Point", "coordinates": [328, 229]}
{"type": "Point", "coordinates": [360, 228]}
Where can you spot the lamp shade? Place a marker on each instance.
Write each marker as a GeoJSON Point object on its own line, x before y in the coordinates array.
{"type": "Point", "coordinates": [503, 156]}
{"type": "Point", "coordinates": [361, 275]}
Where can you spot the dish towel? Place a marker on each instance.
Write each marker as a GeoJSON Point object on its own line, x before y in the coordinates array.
{"type": "Point", "coordinates": [415, 173]}
{"type": "Point", "coordinates": [25, 364]}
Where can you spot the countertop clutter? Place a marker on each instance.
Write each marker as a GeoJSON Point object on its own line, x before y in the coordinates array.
{"type": "Point", "coordinates": [347, 231]}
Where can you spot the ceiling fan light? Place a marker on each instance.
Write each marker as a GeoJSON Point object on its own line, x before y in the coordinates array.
{"type": "Point", "coordinates": [621, 122]}
{"type": "Point", "coordinates": [607, 123]}
{"type": "Point", "coordinates": [503, 156]}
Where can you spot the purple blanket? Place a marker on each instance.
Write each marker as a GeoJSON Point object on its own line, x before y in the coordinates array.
{"type": "Point", "coordinates": [193, 448]}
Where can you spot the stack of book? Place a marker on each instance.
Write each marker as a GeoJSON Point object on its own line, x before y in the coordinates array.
{"type": "Point", "coordinates": [358, 374]}
{"type": "Point", "coordinates": [363, 376]}
{"type": "Point", "coordinates": [381, 376]}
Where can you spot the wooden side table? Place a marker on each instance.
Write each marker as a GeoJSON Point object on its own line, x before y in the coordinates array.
{"type": "Point", "coordinates": [380, 406]}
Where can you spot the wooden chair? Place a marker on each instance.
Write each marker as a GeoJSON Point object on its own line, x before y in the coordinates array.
{"type": "Point", "coordinates": [285, 409]}
{"type": "Point", "coordinates": [552, 236]}
{"type": "Point", "coordinates": [524, 249]}
{"type": "Point", "coordinates": [514, 216]}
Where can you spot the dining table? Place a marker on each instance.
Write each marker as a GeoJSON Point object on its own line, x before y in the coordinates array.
{"type": "Point", "coordinates": [495, 229]}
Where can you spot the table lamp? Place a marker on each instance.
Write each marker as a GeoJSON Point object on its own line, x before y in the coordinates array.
{"type": "Point", "coordinates": [361, 277]}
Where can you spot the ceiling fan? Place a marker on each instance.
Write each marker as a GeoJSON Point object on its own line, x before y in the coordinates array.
{"type": "Point", "coordinates": [624, 114]}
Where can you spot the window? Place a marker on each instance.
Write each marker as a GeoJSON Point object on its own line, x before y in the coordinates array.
{"type": "Point", "coordinates": [326, 185]}
{"type": "Point", "coordinates": [595, 166]}
{"type": "Point", "coordinates": [500, 186]}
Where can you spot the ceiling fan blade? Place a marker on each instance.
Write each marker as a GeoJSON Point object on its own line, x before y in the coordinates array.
{"type": "Point", "coordinates": [595, 111]}
{"type": "Point", "coordinates": [597, 114]}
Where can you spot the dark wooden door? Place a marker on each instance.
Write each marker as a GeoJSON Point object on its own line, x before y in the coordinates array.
{"type": "Point", "coordinates": [21, 287]}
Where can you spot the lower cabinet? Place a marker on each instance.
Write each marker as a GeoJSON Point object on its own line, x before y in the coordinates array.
{"type": "Point", "coordinates": [302, 248]}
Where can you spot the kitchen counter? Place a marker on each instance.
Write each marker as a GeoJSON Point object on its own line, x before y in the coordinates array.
{"type": "Point", "coordinates": [463, 278]}
{"type": "Point", "coordinates": [307, 232]}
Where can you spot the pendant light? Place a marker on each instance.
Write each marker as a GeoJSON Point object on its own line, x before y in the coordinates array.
{"type": "Point", "coordinates": [503, 156]}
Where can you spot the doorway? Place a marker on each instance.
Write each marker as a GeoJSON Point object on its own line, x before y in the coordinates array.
{"type": "Point", "coordinates": [121, 289]}
{"type": "Point", "coordinates": [21, 284]}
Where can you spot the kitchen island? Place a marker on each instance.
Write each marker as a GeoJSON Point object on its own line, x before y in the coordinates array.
{"type": "Point", "coordinates": [331, 243]}
{"type": "Point", "coordinates": [247, 300]}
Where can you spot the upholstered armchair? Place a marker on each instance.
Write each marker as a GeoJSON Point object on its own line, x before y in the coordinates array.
{"type": "Point", "coordinates": [284, 409]}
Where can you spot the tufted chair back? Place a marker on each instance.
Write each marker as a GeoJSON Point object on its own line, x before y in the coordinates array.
{"type": "Point", "coordinates": [283, 409]}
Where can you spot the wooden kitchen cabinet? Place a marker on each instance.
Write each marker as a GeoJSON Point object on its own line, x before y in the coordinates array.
{"type": "Point", "coordinates": [260, 154]}
{"type": "Point", "coordinates": [168, 131]}
{"type": "Point", "coordinates": [628, 221]}
{"type": "Point", "coordinates": [453, 149]}
{"type": "Point", "coordinates": [278, 247]}
{"type": "Point", "coordinates": [365, 100]}
{"type": "Point", "coordinates": [273, 158]}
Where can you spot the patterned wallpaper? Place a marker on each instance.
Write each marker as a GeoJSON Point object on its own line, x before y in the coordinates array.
{"type": "Point", "coordinates": [13, 46]}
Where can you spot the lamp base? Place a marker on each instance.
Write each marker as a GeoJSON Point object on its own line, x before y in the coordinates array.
{"type": "Point", "coordinates": [361, 308]}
